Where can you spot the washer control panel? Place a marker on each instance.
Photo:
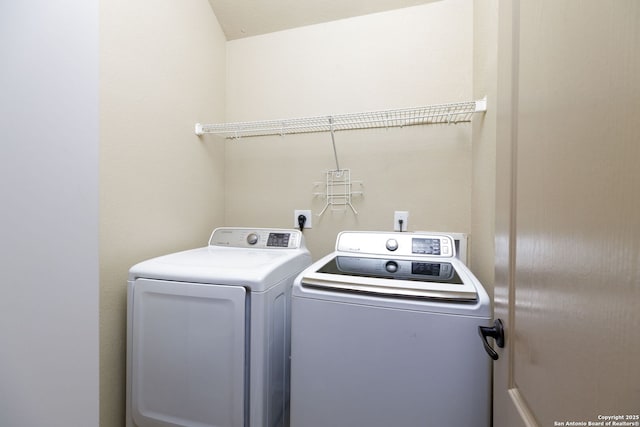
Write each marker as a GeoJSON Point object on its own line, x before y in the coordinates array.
{"type": "Point", "coordinates": [259, 238]}
{"type": "Point", "coordinates": [398, 244]}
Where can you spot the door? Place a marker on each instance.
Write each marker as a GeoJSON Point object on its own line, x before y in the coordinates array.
{"type": "Point", "coordinates": [188, 356]}
{"type": "Point", "coordinates": [568, 213]}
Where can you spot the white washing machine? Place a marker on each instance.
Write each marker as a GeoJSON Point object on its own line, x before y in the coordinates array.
{"type": "Point", "coordinates": [208, 332]}
{"type": "Point", "coordinates": [385, 333]}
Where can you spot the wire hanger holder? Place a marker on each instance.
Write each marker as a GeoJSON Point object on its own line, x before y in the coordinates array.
{"type": "Point", "coordinates": [338, 184]}
{"type": "Point", "coordinates": [339, 190]}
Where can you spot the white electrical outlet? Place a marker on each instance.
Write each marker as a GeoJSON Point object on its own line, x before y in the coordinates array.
{"type": "Point", "coordinates": [306, 213]}
{"type": "Point", "coordinates": [400, 215]}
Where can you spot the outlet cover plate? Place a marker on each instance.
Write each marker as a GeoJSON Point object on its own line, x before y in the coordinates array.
{"type": "Point", "coordinates": [400, 215]}
{"type": "Point", "coordinates": [305, 212]}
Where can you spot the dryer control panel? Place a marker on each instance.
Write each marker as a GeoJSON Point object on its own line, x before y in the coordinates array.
{"type": "Point", "coordinates": [259, 238]}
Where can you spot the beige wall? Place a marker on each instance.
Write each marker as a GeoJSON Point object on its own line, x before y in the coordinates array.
{"type": "Point", "coordinates": [161, 188]}
{"type": "Point", "coordinates": [416, 56]}
{"type": "Point", "coordinates": [485, 46]}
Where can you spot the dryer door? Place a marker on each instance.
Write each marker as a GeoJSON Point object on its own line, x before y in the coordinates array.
{"type": "Point", "coordinates": [188, 356]}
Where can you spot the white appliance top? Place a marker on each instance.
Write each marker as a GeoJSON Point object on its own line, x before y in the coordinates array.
{"type": "Point", "coordinates": [397, 265]}
{"type": "Point", "coordinates": [256, 258]}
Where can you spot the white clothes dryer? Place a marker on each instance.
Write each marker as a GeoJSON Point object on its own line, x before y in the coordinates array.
{"type": "Point", "coordinates": [385, 333]}
{"type": "Point", "coordinates": [208, 332]}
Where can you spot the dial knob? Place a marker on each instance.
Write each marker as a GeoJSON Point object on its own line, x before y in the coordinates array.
{"type": "Point", "coordinates": [391, 266]}
{"type": "Point", "coordinates": [252, 239]}
{"type": "Point", "coordinates": [392, 244]}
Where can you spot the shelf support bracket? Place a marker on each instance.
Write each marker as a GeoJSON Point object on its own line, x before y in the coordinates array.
{"type": "Point", "coordinates": [481, 105]}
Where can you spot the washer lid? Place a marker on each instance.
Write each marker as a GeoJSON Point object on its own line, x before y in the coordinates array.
{"type": "Point", "coordinates": [431, 278]}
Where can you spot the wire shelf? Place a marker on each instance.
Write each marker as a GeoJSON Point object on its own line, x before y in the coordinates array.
{"type": "Point", "coordinates": [432, 114]}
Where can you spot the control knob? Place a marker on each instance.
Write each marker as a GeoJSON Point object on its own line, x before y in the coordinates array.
{"type": "Point", "coordinates": [392, 244]}
{"type": "Point", "coordinates": [252, 239]}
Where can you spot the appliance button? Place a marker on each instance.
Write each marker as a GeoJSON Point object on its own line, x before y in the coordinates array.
{"type": "Point", "coordinates": [392, 244]}
{"type": "Point", "coordinates": [391, 266]}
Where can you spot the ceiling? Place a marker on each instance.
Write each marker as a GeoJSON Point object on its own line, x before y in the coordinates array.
{"type": "Point", "coordinates": [245, 18]}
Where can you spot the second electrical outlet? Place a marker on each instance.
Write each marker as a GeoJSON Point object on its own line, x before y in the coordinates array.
{"type": "Point", "coordinates": [296, 218]}
{"type": "Point", "coordinates": [400, 220]}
